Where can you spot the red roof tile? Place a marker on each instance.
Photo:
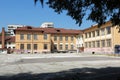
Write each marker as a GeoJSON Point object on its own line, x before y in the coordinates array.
{"type": "Point", "coordinates": [8, 38]}
{"type": "Point", "coordinates": [50, 30]}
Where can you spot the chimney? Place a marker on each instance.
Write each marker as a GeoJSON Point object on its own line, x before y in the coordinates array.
{"type": "Point", "coordinates": [3, 38]}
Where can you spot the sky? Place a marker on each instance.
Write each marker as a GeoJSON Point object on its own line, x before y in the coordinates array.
{"type": "Point", "coordinates": [25, 12]}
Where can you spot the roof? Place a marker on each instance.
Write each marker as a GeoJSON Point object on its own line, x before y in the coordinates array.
{"type": "Point", "coordinates": [50, 30]}
{"type": "Point", "coordinates": [94, 27]}
{"type": "Point", "coordinates": [8, 38]}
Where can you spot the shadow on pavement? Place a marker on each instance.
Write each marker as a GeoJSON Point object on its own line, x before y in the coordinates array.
{"type": "Point", "coordinates": [109, 73]}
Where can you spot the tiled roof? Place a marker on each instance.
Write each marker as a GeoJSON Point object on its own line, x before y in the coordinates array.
{"type": "Point", "coordinates": [8, 38]}
{"type": "Point", "coordinates": [50, 30]}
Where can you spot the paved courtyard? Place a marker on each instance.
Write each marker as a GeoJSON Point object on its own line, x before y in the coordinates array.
{"type": "Point", "coordinates": [50, 66]}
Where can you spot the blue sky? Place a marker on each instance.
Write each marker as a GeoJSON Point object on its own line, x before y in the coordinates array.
{"type": "Point", "coordinates": [26, 13]}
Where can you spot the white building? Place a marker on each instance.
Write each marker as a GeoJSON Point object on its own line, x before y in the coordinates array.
{"type": "Point", "coordinates": [11, 28]}
{"type": "Point", "coordinates": [47, 25]}
{"type": "Point", "coordinates": [79, 43]}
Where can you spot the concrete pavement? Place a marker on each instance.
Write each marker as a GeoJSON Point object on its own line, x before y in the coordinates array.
{"type": "Point", "coordinates": [9, 63]}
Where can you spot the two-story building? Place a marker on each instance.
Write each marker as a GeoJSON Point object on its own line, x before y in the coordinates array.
{"type": "Point", "coordinates": [37, 40]}
{"type": "Point", "coordinates": [101, 39]}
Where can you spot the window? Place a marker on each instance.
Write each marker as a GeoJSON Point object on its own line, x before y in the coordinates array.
{"type": "Point", "coordinates": [55, 46]}
{"type": "Point", "coordinates": [97, 33]}
{"type": "Point", "coordinates": [35, 46]}
{"type": "Point", "coordinates": [45, 36]}
{"type": "Point", "coordinates": [21, 46]}
{"type": "Point", "coordinates": [108, 29]}
{"type": "Point", "coordinates": [66, 38]}
{"type": "Point", "coordinates": [28, 36]}
{"type": "Point", "coordinates": [66, 47]}
{"type": "Point", "coordinates": [35, 37]}
{"type": "Point", "coordinates": [102, 32]}
{"type": "Point", "coordinates": [55, 38]}
{"type": "Point", "coordinates": [93, 44]}
{"type": "Point", "coordinates": [85, 35]}
{"type": "Point", "coordinates": [72, 38]}
{"type": "Point", "coordinates": [45, 46]}
{"type": "Point", "coordinates": [86, 44]}
{"type": "Point", "coordinates": [9, 42]}
{"type": "Point", "coordinates": [89, 44]}
{"type": "Point", "coordinates": [61, 38]}
{"type": "Point", "coordinates": [89, 34]}
{"type": "Point", "coordinates": [103, 43]}
{"type": "Point", "coordinates": [108, 41]}
{"type": "Point", "coordinates": [21, 36]}
{"type": "Point", "coordinates": [60, 47]}
{"type": "Point", "coordinates": [72, 47]}
{"type": "Point", "coordinates": [93, 33]}
{"type": "Point", "coordinates": [28, 46]}
{"type": "Point", "coordinates": [98, 43]}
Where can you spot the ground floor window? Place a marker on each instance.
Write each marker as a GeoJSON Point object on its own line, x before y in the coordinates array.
{"type": "Point", "coordinates": [86, 44]}
{"type": "Point", "coordinates": [89, 44]}
{"type": "Point", "coordinates": [66, 47]}
{"type": "Point", "coordinates": [35, 46]}
{"type": "Point", "coordinates": [72, 47]}
{"type": "Point", "coordinates": [103, 43]}
{"type": "Point", "coordinates": [98, 43]}
{"type": "Point", "coordinates": [60, 47]}
{"type": "Point", "coordinates": [55, 46]}
{"type": "Point", "coordinates": [45, 46]}
{"type": "Point", "coordinates": [93, 44]}
{"type": "Point", "coordinates": [21, 46]}
{"type": "Point", "coordinates": [28, 46]}
{"type": "Point", "coordinates": [108, 41]}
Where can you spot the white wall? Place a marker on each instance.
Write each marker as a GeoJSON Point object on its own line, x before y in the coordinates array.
{"type": "Point", "coordinates": [10, 45]}
{"type": "Point", "coordinates": [79, 41]}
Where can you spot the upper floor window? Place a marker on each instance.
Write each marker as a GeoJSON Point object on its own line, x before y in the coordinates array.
{"type": "Point", "coordinates": [28, 36]}
{"type": "Point", "coordinates": [93, 33]}
{"type": "Point", "coordinates": [108, 30]}
{"type": "Point", "coordinates": [35, 37]}
{"type": "Point", "coordinates": [61, 38]}
{"type": "Point", "coordinates": [66, 38]}
{"type": "Point", "coordinates": [102, 31]}
{"type": "Point", "coordinates": [97, 33]}
{"type": "Point", "coordinates": [72, 38]}
{"type": "Point", "coordinates": [85, 35]}
{"type": "Point", "coordinates": [55, 38]}
{"type": "Point", "coordinates": [21, 36]}
{"type": "Point", "coordinates": [45, 36]}
{"type": "Point", "coordinates": [89, 34]}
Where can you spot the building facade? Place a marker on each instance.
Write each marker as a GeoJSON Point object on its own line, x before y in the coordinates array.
{"type": "Point", "coordinates": [7, 43]}
{"type": "Point", "coordinates": [101, 39]}
{"type": "Point", "coordinates": [40, 40]}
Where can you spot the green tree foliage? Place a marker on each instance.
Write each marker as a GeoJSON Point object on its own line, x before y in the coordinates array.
{"type": "Point", "coordinates": [99, 10]}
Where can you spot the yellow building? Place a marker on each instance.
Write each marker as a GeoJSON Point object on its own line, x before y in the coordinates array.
{"type": "Point", "coordinates": [39, 40]}
{"type": "Point", "coordinates": [103, 39]}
